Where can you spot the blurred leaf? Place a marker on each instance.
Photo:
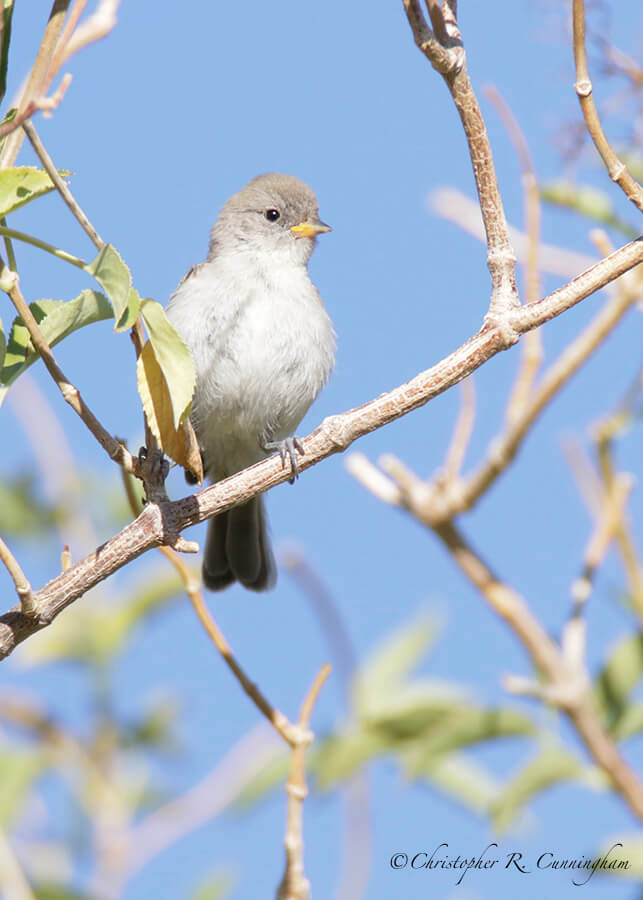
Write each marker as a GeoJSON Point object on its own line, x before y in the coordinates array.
{"type": "Point", "coordinates": [114, 277]}
{"type": "Point", "coordinates": [178, 442]}
{"type": "Point", "coordinates": [20, 184]}
{"type": "Point", "coordinates": [412, 709]}
{"type": "Point", "coordinates": [57, 320]}
{"type": "Point", "coordinates": [588, 202]}
{"type": "Point", "coordinates": [460, 779]}
{"type": "Point", "coordinates": [631, 851]}
{"type": "Point", "coordinates": [7, 13]}
{"type": "Point", "coordinates": [59, 892]}
{"type": "Point", "coordinates": [386, 667]}
{"type": "Point", "coordinates": [634, 162]}
{"type": "Point", "coordinates": [22, 512]}
{"type": "Point", "coordinates": [465, 726]}
{"type": "Point", "coordinates": [18, 771]}
{"type": "Point", "coordinates": [339, 756]}
{"type": "Point", "coordinates": [155, 729]}
{"type": "Point", "coordinates": [550, 766]}
{"type": "Point", "coordinates": [3, 345]}
{"type": "Point", "coordinates": [173, 357]}
{"type": "Point", "coordinates": [619, 676]}
{"type": "Point", "coordinates": [629, 723]}
{"type": "Point", "coordinates": [214, 887]}
{"type": "Point", "coordinates": [96, 633]}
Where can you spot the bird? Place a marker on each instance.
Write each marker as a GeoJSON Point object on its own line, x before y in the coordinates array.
{"type": "Point", "coordinates": [263, 347]}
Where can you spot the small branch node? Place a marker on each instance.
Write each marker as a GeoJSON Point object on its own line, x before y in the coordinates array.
{"type": "Point", "coordinates": [583, 88]}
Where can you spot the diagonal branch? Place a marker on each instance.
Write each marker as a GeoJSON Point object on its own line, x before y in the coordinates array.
{"type": "Point", "coordinates": [161, 524]}
{"type": "Point", "coordinates": [116, 451]}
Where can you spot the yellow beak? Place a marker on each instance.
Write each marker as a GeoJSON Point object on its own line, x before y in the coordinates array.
{"type": "Point", "coordinates": [310, 229]}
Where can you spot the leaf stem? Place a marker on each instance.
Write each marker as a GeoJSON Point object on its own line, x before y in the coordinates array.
{"type": "Point", "coordinates": [42, 245]}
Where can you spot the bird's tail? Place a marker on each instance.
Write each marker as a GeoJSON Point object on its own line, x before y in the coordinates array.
{"type": "Point", "coordinates": [237, 548]}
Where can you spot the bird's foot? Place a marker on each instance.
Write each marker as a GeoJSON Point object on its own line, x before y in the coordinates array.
{"type": "Point", "coordinates": [288, 448]}
{"type": "Point", "coordinates": [154, 469]}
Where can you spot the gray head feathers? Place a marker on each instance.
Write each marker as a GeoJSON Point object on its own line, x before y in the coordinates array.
{"type": "Point", "coordinates": [262, 215]}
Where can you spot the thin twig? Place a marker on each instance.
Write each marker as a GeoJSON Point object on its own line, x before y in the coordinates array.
{"type": "Point", "coordinates": [501, 258]}
{"type": "Point", "coordinates": [546, 655]}
{"type": "Point", "coordinates": [28, 604]}
{"type": "Point", "coordinates": [93, 29]}
{"type": "Point", "coordinates": [36, 85]}
{"type": "Point", "coordinates": [294, 884]}
{"type": "Point", "coordinates": [357, 843]}
{"type": "Point", "coordinates": [601, 537]}
{"type": "Point", "coordinates": [463, 211]}
{"type": "Point", "coordinates": [61, 186]}
{"type": "Point", "coordinates": [455, 455]}
{"type": "Point", "coordinates": [116, 451]}
{"type": "Point", "coordinates": [192, 585]}
{"type": "Point", "coordinates": [617, 170]}
{"type": "Point", "coordinates": [503, 449]}
{"type": "Point", "coordinates": [532, 350]}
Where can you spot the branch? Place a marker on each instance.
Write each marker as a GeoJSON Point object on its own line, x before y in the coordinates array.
{"type": "Point", "coordinates": [504, 448]}
{"type": "Point", "coordinates": [37, 83]}
{"type": "Point", "coordinates": [617, 170]}
{"type": "Point", "coordinates": [456, 207]}
{"type": "Point", "coordinates": [162, 524]}
{"type": "Point", "coordinates": [565, 686]}
{"type": "Point", "coordinates": [288, 731]}
{"type": "Point", "coordinates": [28, 605]}
{"type": "Point", "coordinates": [71, 394]}
{"type": "Point", "coordinates": [294, 884]}
{"type": "Point", "coordinates": [61, 186]}
{"type": "Point", "coordinates": [532, 351]}
{"type": "Point", "coordinates": [57, 46]}
{"type": "Point", "coordinates": [501, 259]}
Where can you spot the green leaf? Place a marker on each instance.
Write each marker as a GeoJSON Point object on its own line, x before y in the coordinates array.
{"type": "Point", "coordinates": [412, 708]}
{"type": "Point", "coordinates": [461, 780]}
{"type": "Point", "coordinates": [7, 13]}
{"type": "Point", "coordinates": [57, 320]}
{"type": "Point", "coordinates": [629, 723]}
{"type": "Point", "coordinates": [115, 278]}
{"type": "Point", "coordinates": [3, 345]}
{"type": "Point", "coordinates": [22, 512]}
{"type": "Point", "coordinates": [20, 184]}
{"type": "Point", "coordinates": [587, 201]}
{"type": "Point", "coordinates": [386, 667]}
{"type": "Point", "coordinates": [18, 770]}
{"type": "Point", "coordinates": [466, 726]}
{"type": "Point", "coordinates": [550, 766]}
{"type": "Point", "coordinates": [172, 356]}
{"type": "Point", "coordinates": [340, 756]}
{"type": "Point", "coordinates": [619, 676]}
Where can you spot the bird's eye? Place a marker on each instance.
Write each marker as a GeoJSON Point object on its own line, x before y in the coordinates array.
{"type": "Point", "coordinates": [272, 215]}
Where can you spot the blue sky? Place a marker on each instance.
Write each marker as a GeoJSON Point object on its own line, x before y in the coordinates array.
{"type": "Point", "coordinates": [165, 119]}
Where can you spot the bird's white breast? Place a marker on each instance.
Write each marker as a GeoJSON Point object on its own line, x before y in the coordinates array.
{"type": "Point", "coordinates": [263, 347]}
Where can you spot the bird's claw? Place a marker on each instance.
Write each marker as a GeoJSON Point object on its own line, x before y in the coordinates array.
{"type": "Point", "coordinates": [288, 448]}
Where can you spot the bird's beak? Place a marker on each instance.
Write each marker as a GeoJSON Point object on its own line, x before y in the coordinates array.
{"type": "Point", "coordinates": [310, 229]}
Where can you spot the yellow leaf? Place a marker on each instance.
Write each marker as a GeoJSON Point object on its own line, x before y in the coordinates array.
{"type": "Point", "coordinates": [178, 443]}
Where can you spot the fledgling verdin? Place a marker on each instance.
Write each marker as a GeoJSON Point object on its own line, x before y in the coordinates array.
{"type": "Point", "coordinates": [263, 347]}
